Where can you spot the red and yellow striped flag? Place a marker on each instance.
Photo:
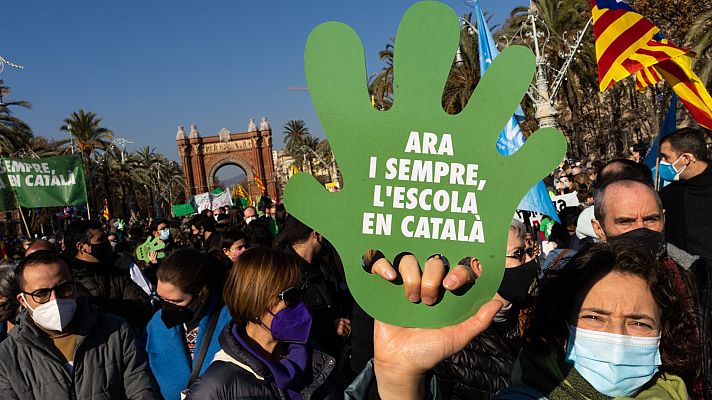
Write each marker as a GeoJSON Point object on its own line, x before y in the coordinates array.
{"type": "Point", "coordinates": [664, 50]}
{"type": "Point", "coordinates": [258, 180]}
{"type": "Point", "coordinates": [620, 33]}
{"type": "Point", "coordinates": [688, 87]}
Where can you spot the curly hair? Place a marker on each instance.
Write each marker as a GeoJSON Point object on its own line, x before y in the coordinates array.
{"type": "Point", "coordinates": [561, 292]}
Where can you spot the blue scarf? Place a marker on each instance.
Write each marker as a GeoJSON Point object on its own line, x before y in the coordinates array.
{"type": "Point", "coordinates": [288, 372]}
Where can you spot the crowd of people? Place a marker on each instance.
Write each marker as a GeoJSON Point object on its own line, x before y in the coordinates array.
{"type": "Point", "coordinates": [250, 303]}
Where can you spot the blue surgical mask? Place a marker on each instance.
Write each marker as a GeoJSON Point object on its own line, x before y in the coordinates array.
{"type": "Point", "coordinates": [615, 365]}
{"type": "Point", "coordinates": [164, 234]}
{"type": "Point", "coordinates": [668, 172]}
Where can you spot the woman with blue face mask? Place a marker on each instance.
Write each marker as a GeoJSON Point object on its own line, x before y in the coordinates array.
{"type": "Point", "coordinates": [608, 324]}
{"type": "Point", "coordinates": [265, 351]}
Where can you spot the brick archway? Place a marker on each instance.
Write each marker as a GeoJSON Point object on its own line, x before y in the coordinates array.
{"type": "Point", "coordinates": [202, 156]}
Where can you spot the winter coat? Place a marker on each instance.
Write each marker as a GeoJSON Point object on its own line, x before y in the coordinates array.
{"type": "Point", "coordinates": [478, 371]}
{"type": "Point", "coordinates": [236, 374]}
{"type": "Point", "coordinates": [688, 222]}
{"type": "Point", "coordinates": [107, 362]}
{"type": "Point", "coordinates": [112, 290]}
{"type": "Point", "coordinates": [168, 355]}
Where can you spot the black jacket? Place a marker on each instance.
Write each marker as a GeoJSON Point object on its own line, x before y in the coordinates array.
{"type": "Point", "coordinates": [107, 362]}
{"type": "Point", "coordinates": [112, 290]}
{"type": "Point", "coordinates": [688, 220]}
{"type": "Point", "coordinates": [478, 371]}
{"type": "Point", "coordinates": [236, 374]}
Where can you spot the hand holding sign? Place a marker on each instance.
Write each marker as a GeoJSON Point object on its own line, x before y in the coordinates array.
{"type": "Point", "coordinates": [417, 179]}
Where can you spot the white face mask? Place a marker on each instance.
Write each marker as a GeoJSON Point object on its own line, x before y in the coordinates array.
{"type": "Point", "coordinates": [250, 219]}
{"type": "Point", "coordinates": [53, 315]}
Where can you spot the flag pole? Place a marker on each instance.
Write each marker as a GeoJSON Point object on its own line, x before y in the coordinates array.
{"type": "Point", "coordinates": [88, 212]}
{"type": "Point", "coordinates": [27, 228]}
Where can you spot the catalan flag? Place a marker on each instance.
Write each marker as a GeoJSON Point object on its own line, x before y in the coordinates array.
{"type": "Point", "coordinates": [688, 87]}
{"type": "Point", "coordinates": [660, 48]}
{"type": "Point", "coordinates": [620, 32]}
{"type": "Point", "coordinates": [258, 180]}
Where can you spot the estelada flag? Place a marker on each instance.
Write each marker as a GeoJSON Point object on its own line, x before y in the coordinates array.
{"type": "Point", "coordinates": [626, 44]}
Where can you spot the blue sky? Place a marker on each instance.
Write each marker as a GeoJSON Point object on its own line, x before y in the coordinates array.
{"type": "Point", "coordinates": [148, 66]}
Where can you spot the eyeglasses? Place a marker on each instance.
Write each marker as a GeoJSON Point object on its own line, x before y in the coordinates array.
{"type": "Point", "coordinates": [63, 290]}
{"type": "Point", "coordinates": [520, 253]}
{"type": "Point", "coordinates": [291, 296]}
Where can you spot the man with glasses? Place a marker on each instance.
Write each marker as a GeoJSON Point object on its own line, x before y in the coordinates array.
{"type": "Point", "coordinates": [64, 347]}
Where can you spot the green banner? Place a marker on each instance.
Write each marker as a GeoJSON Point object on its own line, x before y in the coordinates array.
{"type": "Point", "coordinates": [42, 182]}
{"type": "Point", "coordinates": [181, 210]}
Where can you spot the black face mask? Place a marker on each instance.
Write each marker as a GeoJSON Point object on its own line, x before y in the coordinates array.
{"type": "Point", "coordinates": [516, 282]}
{"type": "Point", "coordinates": [647, 238]}
{"type": "Point", "coordinates": [174, 315]}
{"type": "Point", "coordinates": [102, 251]}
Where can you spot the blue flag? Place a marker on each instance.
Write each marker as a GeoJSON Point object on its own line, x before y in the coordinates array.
{"type": "Point", "coordinates": [511, 137]}
{"type": "Point", "coordinates": [669, 126]}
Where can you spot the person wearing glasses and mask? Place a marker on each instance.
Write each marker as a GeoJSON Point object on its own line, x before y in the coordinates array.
{"type": "Point", "coordinates": [265, 351]}
{"type": "Point", "coordinates": [182, 337]}
{"type": "Point", "coordinates": [64, 348]}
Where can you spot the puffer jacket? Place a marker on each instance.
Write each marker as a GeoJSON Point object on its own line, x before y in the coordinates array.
{"type": "Point", "coordinates": [478, 371]}
{"type": "Point", "coordinates": [236, 374]}
{"type": "Point", "coordinates": [107, 362]}
{"type": "Point", "coordinates": [112, 290]}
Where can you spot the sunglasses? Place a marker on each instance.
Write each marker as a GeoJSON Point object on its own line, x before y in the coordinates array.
{"type": "Point", "coordinates": [291, 296]}
{"type": "Point", "coordinates": [62, 291]}
{"type": "Point", "coordinates": [520, 253]}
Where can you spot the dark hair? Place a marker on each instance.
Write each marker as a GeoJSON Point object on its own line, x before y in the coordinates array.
{"type": "Point", "coordinates": [264, 203]}
{"type": "Point", "coordinates": [688, 140]}
{"type": "Point", "coordinates": [79, 232]}
{"type": "Point", "coordinates": [203, 221]}
{"type": "Point", "coordinates": [258, 234]}
{"type": "Point", "coordinates": [189, 271]}
{"type": "Point", "coordinates": [37, 258]}
{"type": "Point", "coordinates": [280, 216]}
{"type": "Point", "coordinates": [623, 169]}
{"type": "Point", "coordinates": [230, 236]}
{"type": "Point", "coordinates": [9, 287]}
{"type": "Point", "coordinates": [156, 222]}
{"type": "Point", "coordinates": [562, 290]}
{"type": "Point", "coordinates": [294, 231]}
{"type": "Point", "coordinates": [253, 284]}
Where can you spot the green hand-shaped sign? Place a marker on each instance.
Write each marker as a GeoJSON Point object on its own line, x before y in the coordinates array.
{"type": "Point", "coordinates": [418, 179]}
{"type": "Point", "coordinates": [149, 246]}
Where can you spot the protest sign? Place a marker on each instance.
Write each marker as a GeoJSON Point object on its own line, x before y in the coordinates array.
{"type": "Point", "coordinates": [42, 182]}
{"type": "Point", "coordinates": [417, 179]}
{"type": "Point", "coordinates": [210, 201]}
{"type": "Point", "coordinates": [565, 200]}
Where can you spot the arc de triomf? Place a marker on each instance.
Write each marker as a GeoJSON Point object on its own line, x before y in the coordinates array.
{"type": "Point", "coordinates": [202, 156]}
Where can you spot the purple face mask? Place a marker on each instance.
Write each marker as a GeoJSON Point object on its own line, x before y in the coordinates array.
{"type": "Point", "coordinates": [292, 324]}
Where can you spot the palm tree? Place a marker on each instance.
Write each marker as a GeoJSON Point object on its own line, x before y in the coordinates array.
{"type": "Point", "coordinates": [465, 71]}
{"type": "Point", "coordinates": [90, 138]}
{"type": "Point", "coordinates": [295, 135]}
{"type": "Point", "coordinates": [380, 85]}
{"type": "Point", "coordinates": [15, 134]}
{"type": "Point", "coordinates": [700, 37]}
{"type": "Point", "coordinates": [86, 131]}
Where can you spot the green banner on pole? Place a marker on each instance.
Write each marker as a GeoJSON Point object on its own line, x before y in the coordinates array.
{"type": "Point", "coordinates": [42, 182]}
{"type": "Point", "coordinates": [180, 210]}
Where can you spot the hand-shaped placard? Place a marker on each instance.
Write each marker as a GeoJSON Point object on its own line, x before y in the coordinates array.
{"type": "Point", "coordinates": [149, 246]}
{"type": "Point", "coordinates": [418, 179]}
